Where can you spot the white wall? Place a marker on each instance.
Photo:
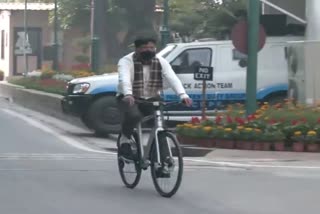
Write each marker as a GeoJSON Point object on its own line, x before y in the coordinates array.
{"type": "Point", "coordinates": [5, 25]}
{"type": "Point", "coordinates": [312, 50]}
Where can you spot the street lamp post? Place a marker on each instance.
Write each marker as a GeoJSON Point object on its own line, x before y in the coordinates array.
{"type": "Point", "coordinates": [94, 38]}
{"type": "Point", "coordinates": [26, 64]}
{"type": "Point", "coordinates": [55, 63]}
{"type": "Point", "coordinates": [253, 45]}
{"type": "Point", "coordinates": [165, 33]}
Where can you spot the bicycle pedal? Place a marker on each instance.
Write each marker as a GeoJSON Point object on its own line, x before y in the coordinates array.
{"type": "Point", "coordinates": [145, 164]}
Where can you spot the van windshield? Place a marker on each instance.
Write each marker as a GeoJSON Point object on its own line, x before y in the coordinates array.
{"type": "Point", "coordinates": [167, 50]}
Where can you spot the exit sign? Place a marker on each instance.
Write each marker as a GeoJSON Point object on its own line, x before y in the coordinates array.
{"type": "Point", "coordinates": [204, 73]}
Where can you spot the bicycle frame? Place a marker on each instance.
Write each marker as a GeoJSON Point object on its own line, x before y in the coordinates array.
{"type": "Point", "coordinates": [158, 127]}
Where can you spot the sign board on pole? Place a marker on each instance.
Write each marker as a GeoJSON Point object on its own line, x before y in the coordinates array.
{"type": "Point", "coordinates": [204, 73]}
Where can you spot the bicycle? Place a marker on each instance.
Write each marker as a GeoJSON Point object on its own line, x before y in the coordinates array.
{"type": "Point", "coordinates": [151, 155]}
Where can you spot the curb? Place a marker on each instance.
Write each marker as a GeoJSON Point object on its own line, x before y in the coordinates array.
{"type": "Point", "coordinates": [46, 103]}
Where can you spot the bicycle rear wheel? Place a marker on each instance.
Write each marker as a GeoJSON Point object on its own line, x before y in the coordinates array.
{"type": "Point", "coordinates": [130, 170]}
{"type": "Point", "coordinates": [169, 184]}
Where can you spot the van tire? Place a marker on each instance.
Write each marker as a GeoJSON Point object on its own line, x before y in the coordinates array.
{"type": "Point", "coordinates": [104, 116]}
{"type": "Point", "coordinates": [85, 121]}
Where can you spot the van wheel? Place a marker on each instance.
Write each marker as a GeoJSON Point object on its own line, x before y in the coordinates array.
{"type": "Point", "coordinates": [85, 121]}
{"type": "Point", "coordinates": [104, 116]}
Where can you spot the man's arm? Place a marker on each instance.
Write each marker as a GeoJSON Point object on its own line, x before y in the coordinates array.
{"type": "Point", "coordinates": [124, 73]}
{"type": "Point", "coordinates": [171, 77]}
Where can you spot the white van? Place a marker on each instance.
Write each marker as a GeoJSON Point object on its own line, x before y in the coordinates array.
{"type": "Point", "coordinates": [93, 98]}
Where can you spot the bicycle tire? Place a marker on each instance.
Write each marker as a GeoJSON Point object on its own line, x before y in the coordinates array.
{"type": "Point", "coordinates": [153, 159]}
{"type": "Point", "coordinates": [121, 164]}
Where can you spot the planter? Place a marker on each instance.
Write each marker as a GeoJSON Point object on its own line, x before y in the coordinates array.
{"type": "Point", "coordinates": [313, 147]}
{"type": "Point", "coordinates": [226, 144]}
{"type": "Point", "coordinates": [298, 147]}
{"type": "Point", "coordinates": [244, 145]}
{"type": "Point", "coordinates": [266, 146]}
{"type": "Point", "coordinates": [1, 78]}
{"type": "Point", "coordinates": [205, 142]}
{"type": "Point", "coordinates": [258, 146]}
{"type": "Point", "coordinates": [279, 146]}
{"type": "Point", "coordinates": [186, 140]}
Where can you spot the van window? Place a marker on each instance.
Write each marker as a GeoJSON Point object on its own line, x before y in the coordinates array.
{"type": "Point", "coordinates": [189, 60]}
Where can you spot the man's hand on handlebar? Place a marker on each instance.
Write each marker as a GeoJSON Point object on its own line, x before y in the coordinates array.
{"type": "Point", "coordinates": [187, 101]}
{"type": "Point", "coordinates": [129, 99]}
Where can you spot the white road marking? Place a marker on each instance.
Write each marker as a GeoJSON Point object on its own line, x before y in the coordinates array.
{"type": "Point", "coordinates": [63, 138]}
{"type": "Point", "coordinates": [227, 163]}
{"type": "Point", "coordinates": [243, 165]}
{"type": "Point", "coordinates": [51, 156]}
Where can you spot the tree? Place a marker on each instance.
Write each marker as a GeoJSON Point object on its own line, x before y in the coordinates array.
{"type": "Point", "coordinates": [205, 18]}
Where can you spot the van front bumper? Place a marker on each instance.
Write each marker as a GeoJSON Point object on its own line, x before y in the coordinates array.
{"type": "Point", "coordinates": [76, 104]}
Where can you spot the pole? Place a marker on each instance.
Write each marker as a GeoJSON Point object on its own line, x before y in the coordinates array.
{"type": "Point", "coordinates": [55, 63]}
{"type": "Point", "coordinates": [94, 38]}
{"type": "Point", "coordinates": [204, 88]}
{"type": "Point", "coordinates": [165, 33]}
{"type": "Point", "coordinates": [253, 45]}
{"type": "Point", "coordinates": [26, 64]}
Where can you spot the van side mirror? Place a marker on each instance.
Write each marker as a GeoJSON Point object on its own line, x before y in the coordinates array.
{"type": "Point", "coordinates": [243, 63]}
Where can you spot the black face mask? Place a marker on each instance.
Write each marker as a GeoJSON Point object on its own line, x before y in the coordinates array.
{"type": "Point", "coordinates": [147, 55]}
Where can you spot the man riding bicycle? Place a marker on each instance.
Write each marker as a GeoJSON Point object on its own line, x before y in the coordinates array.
{"type": "Point", "coordinates": [143, 75]}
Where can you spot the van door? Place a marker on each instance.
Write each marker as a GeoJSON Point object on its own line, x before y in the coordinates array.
{"type": "Point", "coordinates": [184, 65]}
{"type": "Point", "coordinates": [230, 76]}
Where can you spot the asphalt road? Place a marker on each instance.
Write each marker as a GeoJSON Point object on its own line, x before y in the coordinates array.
{"type": "Point", "coordinates": [41, 173]}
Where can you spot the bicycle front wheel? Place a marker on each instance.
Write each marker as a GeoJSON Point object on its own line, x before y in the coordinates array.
{"type": "Point", "coordinates": [167, 182]}
{"type": "Point", "coordinates": [130, 170]}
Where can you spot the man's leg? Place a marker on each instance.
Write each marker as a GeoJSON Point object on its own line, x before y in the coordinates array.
{"type": "Point", "coordinates": [131, 116]}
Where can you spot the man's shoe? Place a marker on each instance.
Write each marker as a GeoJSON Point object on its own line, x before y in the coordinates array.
{"type": "Point", "coordinates": [127, 148]}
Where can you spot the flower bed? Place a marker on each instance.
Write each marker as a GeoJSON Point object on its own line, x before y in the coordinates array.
{"type": "Point", "coordinates": [281, 127]}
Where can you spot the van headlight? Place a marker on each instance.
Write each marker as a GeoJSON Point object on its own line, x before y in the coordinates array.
{"type": "Point", "coordinates": [81, 88]}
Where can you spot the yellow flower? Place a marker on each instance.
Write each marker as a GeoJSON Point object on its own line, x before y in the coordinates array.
{"type": "Point", "coordinates": [228, 129]}
{"type": "Point", "coordinates": [220, 127]}
{"type": "Point", "coordinates": [240, 127]}
{"type": "Point", "coordinates": [259, 111]}
{"type": "Point", "coordinates": [248, 129]}
{"type": "Point", "coordinates": [258, 130]}
{"type": "Point", "coordinates": [297, 133]}
{"type": "Point", "coordinates": [312, 133]}
{"type": "Point", "coordinates": [266, 118]}
{"type": "Point", "coordinates": [207, 128]}
{"type": "Point", "coordinates": [241, 112]}
{"type": "Point", "coordinates": [180, 125]}
{"type": "Point", "coordinates": [266, 103]}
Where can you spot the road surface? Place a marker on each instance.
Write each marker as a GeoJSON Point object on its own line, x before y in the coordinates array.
{"type": "Point", "coordinates": [43, 171]}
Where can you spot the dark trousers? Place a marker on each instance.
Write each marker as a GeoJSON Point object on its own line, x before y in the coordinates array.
{"type": "Point", "coordinates": [132, 115]}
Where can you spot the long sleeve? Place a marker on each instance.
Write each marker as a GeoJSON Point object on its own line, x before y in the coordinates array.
{"type": "Point", "coordinates": [172, 79]}
{"type": "Point", "coordinates": [124, 71]}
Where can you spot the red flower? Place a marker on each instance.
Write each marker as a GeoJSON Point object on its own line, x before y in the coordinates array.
{"type": "Point", "coordinates": [318, 121]}
{"type": "Point", "coordinates": [240, 121]}
{"type": "Point", "coordinates": [195, 120]}
{"type": "Point", "coordinates": [229, 119]}
{"type": "Point", "coordinates": [294, 122]}
{"type": "Point", "coordinates": [218, 120]}
{"type": "Point", "coordinates": [272, 121]}
{"type": "Point", "coordinates": [251, 118]}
